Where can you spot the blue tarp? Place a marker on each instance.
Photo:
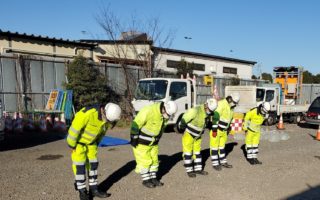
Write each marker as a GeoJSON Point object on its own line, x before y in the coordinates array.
{"type": "Point", "coordinates": [112, 141]}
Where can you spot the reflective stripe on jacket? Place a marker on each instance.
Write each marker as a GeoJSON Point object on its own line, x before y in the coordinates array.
{"type": "Point", "coordinates": [253, 120]}
{"type": "Point", "coordinates": [87, 127]}
{"type": "Point", "coordinates": [195, 118]}
{"type": "Point", "coordinates": [148, 125]}
{"type": "Point", "coordinates": [225, 114]}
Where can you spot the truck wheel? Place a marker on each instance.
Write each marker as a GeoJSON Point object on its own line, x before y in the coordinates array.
{"type": "Point", "coordinates": [297, 119]}
{"type": "Point", "coordinates": [270, 120]}
{"type": "Point", "coordinates": [175, 128]}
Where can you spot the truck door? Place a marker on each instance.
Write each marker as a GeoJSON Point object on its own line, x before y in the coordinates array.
{"type": "Point", "coordinates": [271, 97]}
{"type": "Point", "coordinates": [178, 93]}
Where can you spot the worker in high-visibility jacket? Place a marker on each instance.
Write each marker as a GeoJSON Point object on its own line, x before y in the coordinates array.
{"type": "Point", "coordinates": [193, 123]}
{"type": "Point", "coordinates": [219, 132]}
{"type": "Point", "coordinates": [252, 126]}
{"type": "Point", "coordinates": [146, 131]}
{"type": "Point", "coordinates": [86, 131]}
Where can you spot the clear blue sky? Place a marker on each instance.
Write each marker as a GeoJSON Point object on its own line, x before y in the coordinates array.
{"type": "Point", "coordinates": [270, 32]}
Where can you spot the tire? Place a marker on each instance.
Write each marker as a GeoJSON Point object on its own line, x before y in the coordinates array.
{"type": "Point", "coordinates": [297, 119]}
{"type": "Point", "coordinates": [175, 128]}
{"type": "Point", "coordinates": [271, 120]}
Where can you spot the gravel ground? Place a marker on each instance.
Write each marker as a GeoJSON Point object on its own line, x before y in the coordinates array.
{"type": "Point", "coordinates": [38, 166]}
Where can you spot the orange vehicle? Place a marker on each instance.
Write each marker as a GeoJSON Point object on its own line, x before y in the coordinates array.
{"type": "Point", "coordinates": [290, 79]}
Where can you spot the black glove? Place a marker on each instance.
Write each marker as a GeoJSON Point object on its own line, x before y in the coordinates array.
{"type": "Point", "coordinates": [208, 123]}
{"type": "Point", "coordinates": [134, 140]}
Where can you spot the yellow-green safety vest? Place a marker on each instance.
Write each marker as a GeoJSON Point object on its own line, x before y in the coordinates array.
{"type": "Point", "coordinates": [148, 125]}
{"type": "Point", "coordinates": [195, 119]}
{"type": "Point", "coordinates": [225, 114]}
{"type": "Point", "coordinates": [87, 127]}
{"type": "Point", "coordinates": [253, 120]}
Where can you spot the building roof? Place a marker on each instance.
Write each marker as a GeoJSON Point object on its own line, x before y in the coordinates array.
{"type": "Point", "coordinates": [118, 41]}
{"type": "Point", "coordinates": [202, 55]}
{"type": "Point", "coordinates": [44, 38]}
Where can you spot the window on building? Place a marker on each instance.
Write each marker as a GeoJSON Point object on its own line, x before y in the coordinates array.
{"type": "Point", "coordinates": [178, 90]}
{"type": "Point", "coordinates": [229, 70]}
{"type": "Point", "coordinates": [195, 66]}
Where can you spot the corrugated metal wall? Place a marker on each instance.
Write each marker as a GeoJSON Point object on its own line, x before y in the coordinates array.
{"type": "Point", "coordinates": [32, 77]}
{"type": "Point", "coordinates": [309, 93]}
{"type": "Point", "coordinates": [26, 81]}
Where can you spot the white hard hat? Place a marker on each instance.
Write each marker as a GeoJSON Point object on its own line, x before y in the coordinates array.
{"type": "Point", "coordinates": [265, 107]}
{"type": "Point", "coordinates": [212, 104]}
{"type": "Point", "coordinates": [113, 112]}
{"type": "Point", "coordinates": [170, 107]}
{"type": "Point", "coordinates": [235, 97]}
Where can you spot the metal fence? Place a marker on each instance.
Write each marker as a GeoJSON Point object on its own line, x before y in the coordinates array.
{"type": "Point", "coordinates": [26, 82]}
{"type": "Point", "coordinates": [309, 92]}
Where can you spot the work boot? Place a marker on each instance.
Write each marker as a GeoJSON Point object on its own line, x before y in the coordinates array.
{"type": "Point", "coordinates": [83, 194]}
{"type": "Point", "coordinates": [191, 174]}
{"type": "Point", "coordinates": [97, 193]}
{"type": "Point", "coordinates": [201, 172]}
{"type": "Point", "coordinates": [217, 167]}
{"type": "Point", "coordinates": [226, 165]}
{"type": "Point", "coordinates": [148, 183]}
{"type": "Point", "coordinates": [156, 182]}
{"type": "Point", "coordinates": [251, 161]}
{"type": "Point", "coordinates": [256, 161]}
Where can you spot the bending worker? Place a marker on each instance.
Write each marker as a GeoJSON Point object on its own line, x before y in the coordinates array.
{"type": "Point", "coordinates": [146, 131]}
{"type": "Point", "coordinates": [86, 131]}
{"type": "Point", "coordinates": [193, 123]}
{"type": "Point", "coordinates": [219, 133]}
{"type": "Point", "coordinates": [252, 126]}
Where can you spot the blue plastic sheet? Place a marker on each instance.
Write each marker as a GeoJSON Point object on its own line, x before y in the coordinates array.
{"type": "Point", "coordinates": [112, 141]}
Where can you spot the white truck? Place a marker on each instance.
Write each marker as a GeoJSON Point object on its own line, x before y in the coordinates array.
{"type": "Point", "coordinates": [184, 92]}
{"type": "Point", "coordinates": [251, 96]}
{"type": "Point", "coordinates": [187, 94]}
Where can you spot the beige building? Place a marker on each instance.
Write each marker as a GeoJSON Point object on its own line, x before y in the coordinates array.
{"type": "Point", "coordinates": [138, 52]}
{"type": "Point", "coordinates": [32, 65]}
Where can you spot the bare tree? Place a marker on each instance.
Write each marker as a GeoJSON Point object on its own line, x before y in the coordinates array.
{"type": "Point", "coordinates": [131, 44]}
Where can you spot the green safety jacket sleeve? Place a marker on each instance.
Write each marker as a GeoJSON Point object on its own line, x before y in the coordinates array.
{"type": "Point", "coordinates": [79, 122]}
{"type": "Point", "coordinates": [214, 121]}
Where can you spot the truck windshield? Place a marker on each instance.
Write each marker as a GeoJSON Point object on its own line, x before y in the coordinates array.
{"type": "Point", "coordinates": [260, 95]}
{"type": "Point", "coordinates": [151, 90]}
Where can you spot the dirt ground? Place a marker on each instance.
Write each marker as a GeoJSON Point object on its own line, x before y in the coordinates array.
{"type": "Point", "coordinates": [38, 166]}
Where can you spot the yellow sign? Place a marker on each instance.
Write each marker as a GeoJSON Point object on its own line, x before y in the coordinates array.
{"type": "Point", "coordinates": [52, 99]}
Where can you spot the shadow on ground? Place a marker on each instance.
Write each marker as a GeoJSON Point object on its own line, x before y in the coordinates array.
{"type": "Point", "coordinates": [29, 139]}
{"type": "Point", "coordinates": [312, 193]}
{"type": "Point", "coordinates": [206, 152]}
{"type": "Point", "coordinates": [117, 175]}
{"type": "Point", "coordinates": [168, 162]}
{"type": "Point", "coordinates": [306, 125]}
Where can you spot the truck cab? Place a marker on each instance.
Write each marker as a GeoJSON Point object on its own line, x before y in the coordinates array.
{"type": "Point", "coordinates": [151, 90]}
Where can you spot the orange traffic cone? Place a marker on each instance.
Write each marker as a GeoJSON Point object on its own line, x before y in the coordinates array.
{"type": "Point", "coordinates": [318, 134]}
{"type": "Point", "coordinates": [280, 125]}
